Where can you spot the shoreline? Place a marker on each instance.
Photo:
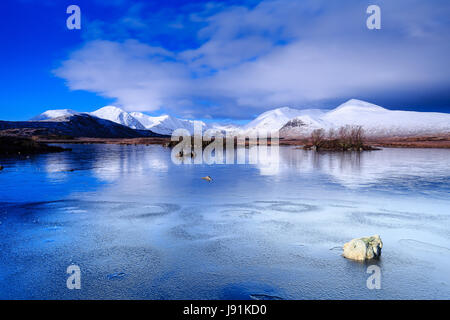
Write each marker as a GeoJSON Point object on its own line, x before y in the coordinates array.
{"type": "Point", "coordinates": [409, 142]}
{"type": "Point", "coordinates": [121, 141]}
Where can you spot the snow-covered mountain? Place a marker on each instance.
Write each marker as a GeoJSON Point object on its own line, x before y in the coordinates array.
{"type": "Point", "coordinates": [376, 121]}
{"type": "Point", "coordinates": [76, 125]}
{"type": "Point", "coordinates": [165, 124]}
{"type": "Point", "coordinates": [272, 120]}
{"type": "Point", "coordinates": [225, 128]}
{"type": "Point", "coordinates": [51, 114]}
{"type": "Point", "coordinates": [303, 126]}
{"type": "Point", "coordinates": [119, 116]}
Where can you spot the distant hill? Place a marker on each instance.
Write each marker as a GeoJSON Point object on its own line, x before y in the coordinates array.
{"type": "Point", "coordinates": [75, 125]}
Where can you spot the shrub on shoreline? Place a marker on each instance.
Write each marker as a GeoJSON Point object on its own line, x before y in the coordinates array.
{"type": "Point", "coordinates": [346, 138]}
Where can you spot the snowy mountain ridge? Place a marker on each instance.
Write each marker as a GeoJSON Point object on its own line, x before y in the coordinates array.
{"type": "Point", "coordinates": [381, 122]}
{"type": "Point", "coordinates": [165, 124]}
{"type": "Point", "coordinates": [119, 116]}
{"type": "Point", "coordinates": [290, 122]}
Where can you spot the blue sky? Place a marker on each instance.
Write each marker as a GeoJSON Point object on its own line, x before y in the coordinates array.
{"type": "Point", "coordinates": [222, 60]}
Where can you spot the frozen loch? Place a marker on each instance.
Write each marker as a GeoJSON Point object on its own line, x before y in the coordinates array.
{"type": "Point", "coordinates": [141, 227]}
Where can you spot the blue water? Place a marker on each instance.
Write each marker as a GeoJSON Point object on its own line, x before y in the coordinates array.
{"type": "Point", "coordinates": [142, 227]}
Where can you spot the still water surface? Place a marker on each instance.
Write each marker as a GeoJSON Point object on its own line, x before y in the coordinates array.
{"type": "Point", "coordinates": [141, 227]}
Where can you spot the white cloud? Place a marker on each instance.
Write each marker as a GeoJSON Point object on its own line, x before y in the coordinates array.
{"type": "Point", "coordinates": [277, 53]}
{"type": "Point", "coordinates": [139, 76]}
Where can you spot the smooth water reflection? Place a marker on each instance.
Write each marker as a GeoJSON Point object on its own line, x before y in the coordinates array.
{"type": "Point", "coordinates": [140, 226]}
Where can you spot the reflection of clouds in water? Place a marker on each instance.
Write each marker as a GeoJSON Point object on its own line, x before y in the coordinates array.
{"type": "Point", "coordinates": [357, 169]}
{"type": "Point", "coordinates": [136, 161]}
{"type": "Point", "coordinates": [57, 166]}
{"type": "Point", "coordinates": [268, 160]}
{"type": "Point", "coordinates": [283, 159]}
{"type": "Point", "coordinates": [346, 168]}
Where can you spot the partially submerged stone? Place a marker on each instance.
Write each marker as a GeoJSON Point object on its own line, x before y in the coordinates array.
{"type": "Point", "coordinates": [363, 248]}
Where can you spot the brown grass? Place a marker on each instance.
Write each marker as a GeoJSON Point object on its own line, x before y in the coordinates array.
{"type": "Point", "coordinates": [394, 142]}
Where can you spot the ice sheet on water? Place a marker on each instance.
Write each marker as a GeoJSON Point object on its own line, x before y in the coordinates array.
{"type": "Point", "coordinates": [142, 211]}
{"type": "Point", "coordinates": [116, 275]}
{"type": "Point", "coordinates": [176, 237]}
{"type": "Point", "coordinates": [243, 213]}
{"type": "Point", "coordinates": [393, 219]}
{"type": "Point", "coordinates": [256, 296]}
{"type": "Point", "coordinates": [424, 246]}
{"type": "Point", "coordinates": [187, 232]}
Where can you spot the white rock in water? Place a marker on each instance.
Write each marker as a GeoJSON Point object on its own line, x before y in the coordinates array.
{"type": "Point", "coordinates": [363, 248]}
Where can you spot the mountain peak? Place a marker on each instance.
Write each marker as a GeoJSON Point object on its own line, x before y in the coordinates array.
{"type": "Point", "coordinates": [273, 119]}
{"type": "Point", "coordinates": [109, 109]}
{"type": "Point", "coordinates": [119, 116]}
{"type": "Point", "coordinates": [51, 114]}
{"type": "Point", "coordinates": [359, 104]}
{"type": "Point", "coordinates": [281, 110]}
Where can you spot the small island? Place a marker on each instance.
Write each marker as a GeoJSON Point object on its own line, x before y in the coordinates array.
{"type": "Point", "coordinates": [346, 138]}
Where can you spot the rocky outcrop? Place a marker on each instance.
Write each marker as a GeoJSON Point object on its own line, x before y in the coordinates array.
{"type": "Point", "coordinates": [363, 248]}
